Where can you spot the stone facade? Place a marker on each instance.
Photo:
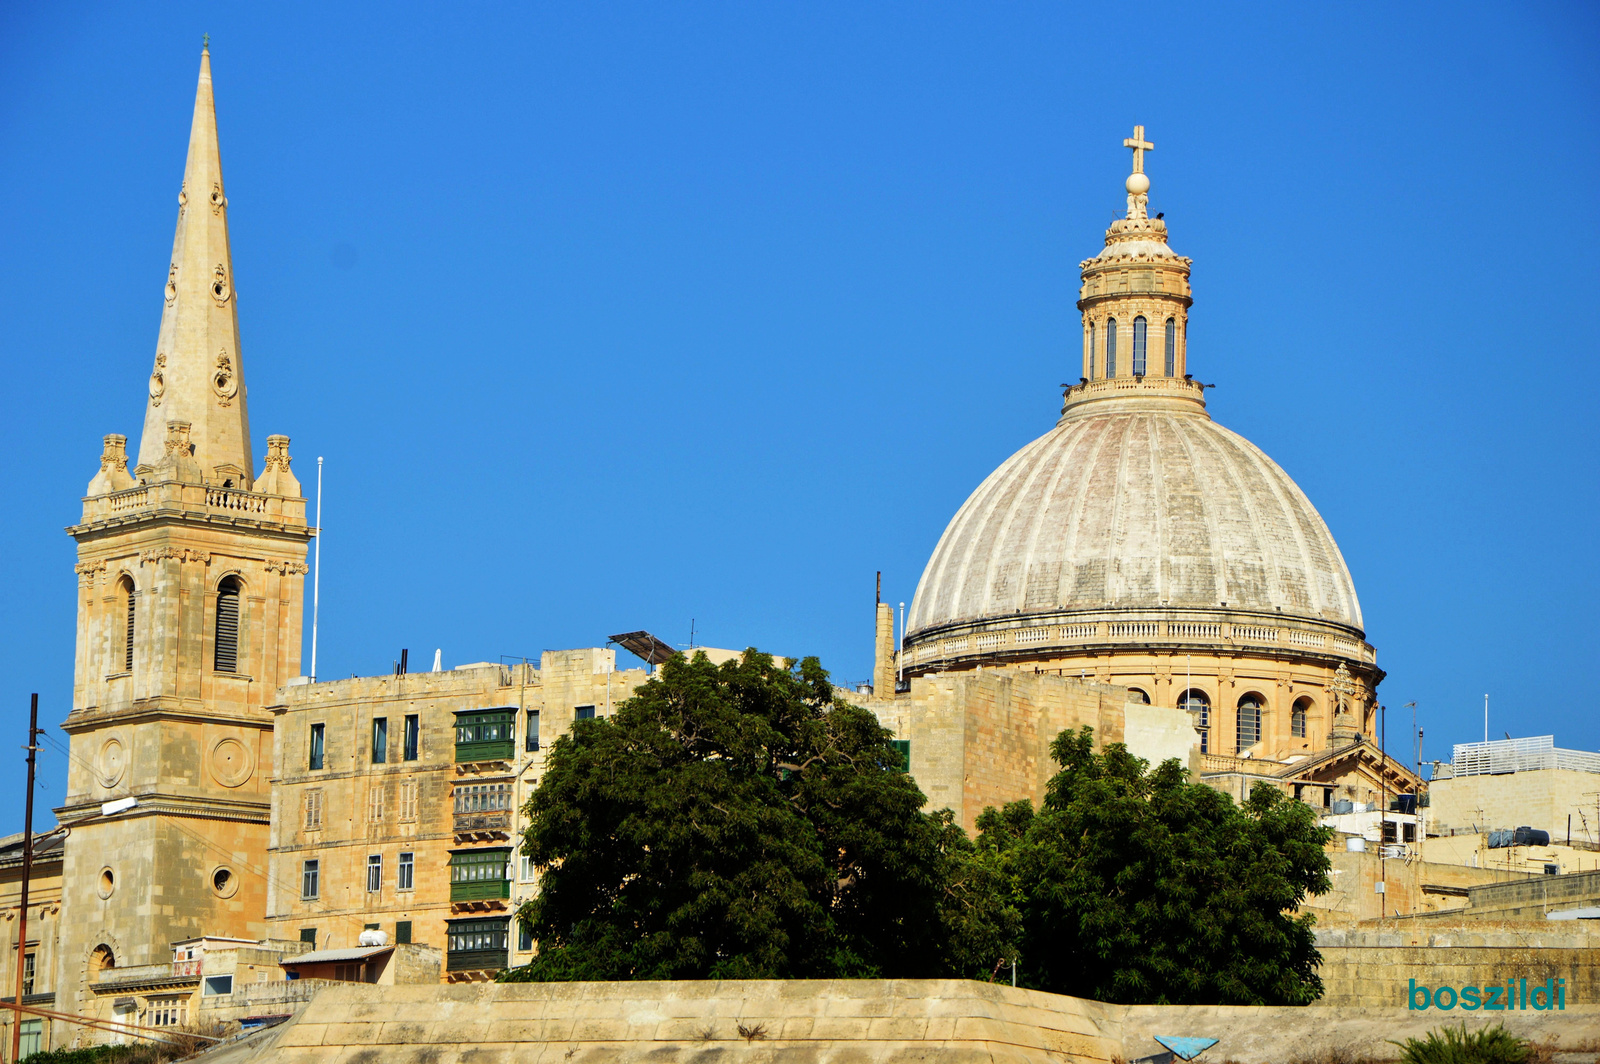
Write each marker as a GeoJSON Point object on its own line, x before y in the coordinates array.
{"type": "Point", "coordinates": [982, 738]}
{"type": "Point", "coordinates": [43, 942]}
{"type": "Point", "coordinates": [1555, 800]}
{"type": "Point", "coordinates": [386, 835]}
{"type": "Point", "coordinates": [190, 585]}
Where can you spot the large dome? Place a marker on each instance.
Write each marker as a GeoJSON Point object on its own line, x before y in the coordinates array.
{"type": "Point", "coordinates": [1135, 509]}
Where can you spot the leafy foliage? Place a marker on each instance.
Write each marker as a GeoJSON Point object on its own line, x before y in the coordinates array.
{"type": "Point", "coordinates": [1456, 1045]}
{"type": "Point", "coordinates": [1138, 886]}
{"type": "Point", "coordinates": [735, 822]}
{"type": "Point", "coordinates": [740, 821]}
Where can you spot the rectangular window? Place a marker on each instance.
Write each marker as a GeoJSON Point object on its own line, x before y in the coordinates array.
{"type": "Point", "coordinates": [485, 735]}
{"type": "Point", "coordinates": [408, 801]}
{"type": "Point", "coordinates": [532, 730]}
{"type": "Point", "coordinates": [1389, 830]}
{"type": "Point", "coordinates": [374, 873]}
{"type": "Point", "coordinates": [406, 879]}
{"type": "Point", "coordinates": [310, 880]}
{"type": "Point", "coordinates": [402, 932]}
{"type": "Point", "coordinates": [308, 935]}
{"type": "Point", "coordinates": [477, 875]}
{"type": "Point", "coordinates": [375, 803]}
{"type": "Point", "coordinates": [476, 944]}
{"type": "Point", "coordinates": [314, 809]}
{"type": "Point", "coordinates": [32, 1039]}
{"type": "Point", "coordinates": [317, 732]}
{"type": "Point", "coordinates": [226, 658]}
{"type": "Point", "coordinates": [483, 798]}
{"type": "Point", "coordinates": [524, 936]}
{"type": "Point", "coordinates": [217, 985]}
{"type": "Point", "coordinates": [167, 1012]}
{"type": "Point", "coordinates": [380, 740]}
{"type": "Point", "coordinates": [1410, 832]}
{"type": "Point", "coordinates": [525, 871]}
{"type": "Point", "coordinates": [413, 736]}
{"type": "Point", "coordinates": [902, 749]}
{"type": "Point", "coordinates": [583, 713]}
{"type": "Point", "coordinates": [28, 960]}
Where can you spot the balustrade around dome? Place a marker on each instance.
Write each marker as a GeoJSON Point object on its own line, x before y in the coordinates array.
{"type": "Point", "coordinates": [963, 646]}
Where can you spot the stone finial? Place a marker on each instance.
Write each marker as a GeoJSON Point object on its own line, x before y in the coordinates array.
{"type": "Point", "coordinates": [113, 475]}
{"type": "Point", "coordinates": [275, 477]}
{"type": "Point", "coordinates": [178, 462]}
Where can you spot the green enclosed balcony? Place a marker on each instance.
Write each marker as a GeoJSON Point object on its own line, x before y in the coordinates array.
{"type": "Point", "coordinates": [480, 875]}
{"type": "Point", "coordinates": [485, 735]}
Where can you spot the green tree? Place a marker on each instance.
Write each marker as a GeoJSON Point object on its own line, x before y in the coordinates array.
{"type": "Point", "coordinates": [739, 822]}
{"type": "Point", "coordinates": [1138, 886]}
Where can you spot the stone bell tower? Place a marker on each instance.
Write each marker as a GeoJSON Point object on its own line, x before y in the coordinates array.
{"type": "Point", "coordinates": [191, 574]}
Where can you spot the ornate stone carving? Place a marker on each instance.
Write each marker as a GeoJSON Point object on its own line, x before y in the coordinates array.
{"type": "Point", "coordinates": [218, 200]}
{"type": "Point", "coordinates": [220, 289]}
{"type": "Point", "coordinates": [172, 282]}
{"type": "Point", "coordinates": [111, 762]}
{"type": "Point", "coordinates": [286, 568]}
{"type": "Point", "coordinates": [158, 380]}
{"type": "Point", "coordinates": [223, 381]}
{"type": "Point", "coordinates": [179, 554]}
{"type": "Point", "coordinates": [87, 570]}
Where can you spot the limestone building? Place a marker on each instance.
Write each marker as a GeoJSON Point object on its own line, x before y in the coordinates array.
{"type": "Point", "coordinates": [398, 802]}
{"type": "Point", "coordinates": [1140, 547]}
{"type": "Point", "coordinates": [190, 572]}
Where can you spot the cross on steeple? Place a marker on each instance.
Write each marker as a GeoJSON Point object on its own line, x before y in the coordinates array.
{"type": "Point", "coordinates": [1139, 146]}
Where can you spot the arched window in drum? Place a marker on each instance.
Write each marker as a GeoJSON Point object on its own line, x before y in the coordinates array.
{"type": "Point", "coordinates": [1172, 348]}
{"type": "Point", "coordinates": [1140, 327]}
{"type": "Point", "coordinates": [1111, 347]}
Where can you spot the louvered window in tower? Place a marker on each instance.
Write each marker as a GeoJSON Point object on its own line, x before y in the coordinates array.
{"type": "Point", "coordinates": [127, 639]}
{"type": "Point", "coordinates": [1172, 348]}
{"type": "Point", "coordinates": [1111, 347]}
{"type": "Point", "coordinates": [227, 656]}
{"type": "Point", "coordinates": [1140, 328]}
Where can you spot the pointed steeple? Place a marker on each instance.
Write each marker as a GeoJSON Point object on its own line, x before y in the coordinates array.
{"type": "Point", "coordinates": [198, 378]}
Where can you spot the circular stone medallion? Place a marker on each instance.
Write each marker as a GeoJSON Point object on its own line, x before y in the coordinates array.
{"type": "Point", "coordinates": [111, 762]}
{"type": "Point", "coordinates": [231, 762]}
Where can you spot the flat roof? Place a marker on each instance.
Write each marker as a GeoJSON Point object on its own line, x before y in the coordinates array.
{"type": "Point", "coordinates": [354, 953]}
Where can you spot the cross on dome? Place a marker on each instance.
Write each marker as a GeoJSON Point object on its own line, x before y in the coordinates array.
{"type": "Point", "coordinates": [1139, 146]}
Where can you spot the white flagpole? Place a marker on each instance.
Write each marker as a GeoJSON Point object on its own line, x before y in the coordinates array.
{"type": "Point", "coordinates": [316, 574]}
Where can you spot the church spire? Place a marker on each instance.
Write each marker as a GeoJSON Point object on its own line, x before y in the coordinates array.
{"type": "Point", "coordinates": [198, 379]}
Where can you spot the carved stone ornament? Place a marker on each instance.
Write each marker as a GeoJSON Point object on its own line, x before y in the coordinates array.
{"type": "Point", "coordinates": [172, 282]}
{"type": "Point", "coordinates": [220, 290]}
{"type": "Point", "coordinates": [177, 441]}
{"type": "Point", "coordinates": [181, 554]}
{"type": "Point", "coordinates": [223, 381]}
{"type": "Point", "coordinates": [287, 568]}
{"type": "Point", "coordinates": [87, 570]}
{"type": "Point", "coordinates": [183, 196]}
{"type": "Point", "coordinates": [158, 381]}
{"type": "Point", "coordinates": [218, 200]}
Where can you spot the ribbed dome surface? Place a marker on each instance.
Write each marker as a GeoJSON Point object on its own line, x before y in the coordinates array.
{"type": "Point", "coordinates": [1135, 509]}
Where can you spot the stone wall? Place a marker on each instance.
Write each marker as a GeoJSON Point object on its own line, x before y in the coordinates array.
{"type": "Point", "coordinates": [823, 1022]}
{"type": "Point", "coordinates": [1548, 799]}
{"type": "Point", "coordinates": [1374, 966]}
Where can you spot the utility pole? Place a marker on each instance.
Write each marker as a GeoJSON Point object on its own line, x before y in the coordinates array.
{"type": "Point", "coordinates": [27, 871]}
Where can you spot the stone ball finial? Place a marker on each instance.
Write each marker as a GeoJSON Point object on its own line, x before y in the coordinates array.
{"type": "Point", "coordinates": [1138, 184]}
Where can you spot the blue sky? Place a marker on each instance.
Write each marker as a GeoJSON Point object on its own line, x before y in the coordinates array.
{"type": "Point", "coordinates": [616, 316]}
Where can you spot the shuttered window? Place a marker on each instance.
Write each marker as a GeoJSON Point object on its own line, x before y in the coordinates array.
{"type": "Point", "coordinates": [227, 656]}
{"type": "Point", "coordinates": [1172, 348]}
{"type": "Point", "coordinates": [1140, 328]}
{"type": "Point", "coordinates": [127, 644]}
{"type": "Point", "coordinates": [1111, 347]}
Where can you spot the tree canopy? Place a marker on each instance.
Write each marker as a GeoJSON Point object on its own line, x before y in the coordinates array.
{"type": "Point", "coordinates": [1139, 886]}
{"type": "Point", "coordinates": [741, 821]}
{"type": "Point", "coordinates": [734, 821]}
